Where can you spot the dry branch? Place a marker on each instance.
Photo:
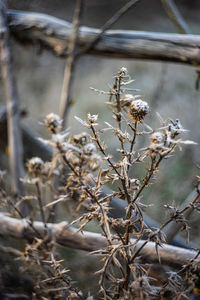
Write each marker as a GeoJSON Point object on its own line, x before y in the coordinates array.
{"type": "Point", "coordinates": [52, 33]}
{"type": "Point", "coordinates": [173, 228]}
{"type": "Point", "coordinates": [108, 25]}
{"type": "Point", "coordinates": [88, 241]}
{"type": "Point", "coordinates": [12, 102]}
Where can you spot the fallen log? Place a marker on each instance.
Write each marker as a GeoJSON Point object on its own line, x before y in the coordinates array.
{"type": "Point", "coordinates": [54, 34]}
{"type": "Point", "coordinates": [66, 235]}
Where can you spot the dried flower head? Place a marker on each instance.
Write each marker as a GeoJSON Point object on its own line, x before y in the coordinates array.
{"type": "Point", "coordinates": [53, 123]}
{"type": "Point", "coordinates": [92, 118]}
{"type": "Point", "coordinates": [89, 149]}
{"type": "Point", "coordinates": [35, 166]}
{"type": "Point", "coordinates": [81, 138]}
{"type": "Point", "coordinates": [138, 110]}
{"type": "Point", "coordinates": [123, 72]}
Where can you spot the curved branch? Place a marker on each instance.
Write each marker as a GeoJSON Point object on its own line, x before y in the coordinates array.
{"type": "Point", "coordinates": [88, 241]}
{"type": "Point", "coordinates": [52, 33]}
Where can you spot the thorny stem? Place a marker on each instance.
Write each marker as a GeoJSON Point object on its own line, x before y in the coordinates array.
{"type": "Point", "coordinates": [132, 144]}
{"type": "Point", "coordinates": [107, 234]}
{"type": "Point", "coordinates": [111, 164]}
{"type": "Point", "coordinates": [165, 224]}
{"type": "Point", "coordinates": [30, 223]}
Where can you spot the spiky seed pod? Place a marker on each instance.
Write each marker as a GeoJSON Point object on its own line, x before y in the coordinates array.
{"type": "Point", "coordinates": [123, 72]}
{"type": "Point", "coordinates": [92, 118]}
{"type": "Point", "coordinates": [157, 144]}
{"type": "Point", "coordinates": [35, 166]}
{"type": "Point", "coordinates": [89, 149]}
{"type": "Point", "coordinates": [138, 110]}
{"type": "Point", "coordinates": [81, 139]}
{"type": "Point", "coordinates": [53, 123]}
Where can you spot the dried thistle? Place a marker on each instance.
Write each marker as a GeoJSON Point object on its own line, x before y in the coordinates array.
{"type": "Point", "coordinates": [138, 110]}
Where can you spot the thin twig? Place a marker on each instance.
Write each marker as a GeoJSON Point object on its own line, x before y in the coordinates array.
{"type": "Point", "coordinates": [70, 63]}
{"type": "Point", "coordinates": [173, 229]}
{"type": "Point", "coordinates": [175, 16]}
{"type": "Point", "coordinates": [108, 25]}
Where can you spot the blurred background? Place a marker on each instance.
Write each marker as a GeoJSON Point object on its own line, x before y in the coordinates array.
{"type": "Point", "coordinates": [169, 88]}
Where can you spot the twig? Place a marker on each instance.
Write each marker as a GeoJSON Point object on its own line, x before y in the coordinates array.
{"type": "Point", "coordinates": [175, 16]}
{"type": "Point", "coordinates": [107, 25]}
{"type": "Point", "coordinates": [14, 133]}
{"type": "Point", "coordinates": [70, 63]}
{"type": "Point", "coordinates": [173, 228]}
{"type": "Point", "coordinates": [10, 250]}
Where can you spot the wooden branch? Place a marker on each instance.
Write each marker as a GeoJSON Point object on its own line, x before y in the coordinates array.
{"type": "Point", "coordinates": [70, 63]}
{"type": "Point", "coordinates": [108, 25]}
{"type": "Point", "coordinates": [12, 102]}
{"type": "Point", "coordinates": [52, 33]}
{"type": "Point", "coordinates": [88, 241]}
{"type": "Point", "coordinates": [175, 16]}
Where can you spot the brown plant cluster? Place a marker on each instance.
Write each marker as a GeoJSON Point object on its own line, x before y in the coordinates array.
{"type": "Point", "coordinates": [84, 165]}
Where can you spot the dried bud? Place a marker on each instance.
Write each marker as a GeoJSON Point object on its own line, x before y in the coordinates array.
{"type": "Point", "coordinates": [157, 138]}
{"type": "Point", "coordinates": [92, 118]}
{"type": "Point", "coordinates": [89, 149]}
{"type": "Point", "coordinates": [81, 139]}
{"type": "Point", "coordinates": [157, 144]}
{"type": "Point", "coordinates": [123, 72]}
{"type": "Point", "coordinates": [126, 100]}
{"type": "Point", "coordinates": [138, 110]}
{"type": "Point", "coordinates": [53, 123]}
{"type": "Point", "coordinates": [35, 166]}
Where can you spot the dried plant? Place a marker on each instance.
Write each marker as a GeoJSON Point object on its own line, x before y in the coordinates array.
{"type": "Point", "coordinates": [85, 165]}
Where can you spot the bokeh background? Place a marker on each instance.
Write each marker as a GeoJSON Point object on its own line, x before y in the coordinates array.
{"type": "Point", "coordinates": [169, 88]}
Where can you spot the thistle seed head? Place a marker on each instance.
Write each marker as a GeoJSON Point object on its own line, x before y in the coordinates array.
{"type": "Point", "coordinates": [138, 110]}
{"type": "Point", "coordinates": [35, 166]}
{"type": "Point", "coordinates": [123, 72]}
{"type": "Point", "coordinates": [89, 149]}
{"type": "Point", "coordinates": [53, 123]}
{"type": "Point", "coordinates": [92, 118]}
